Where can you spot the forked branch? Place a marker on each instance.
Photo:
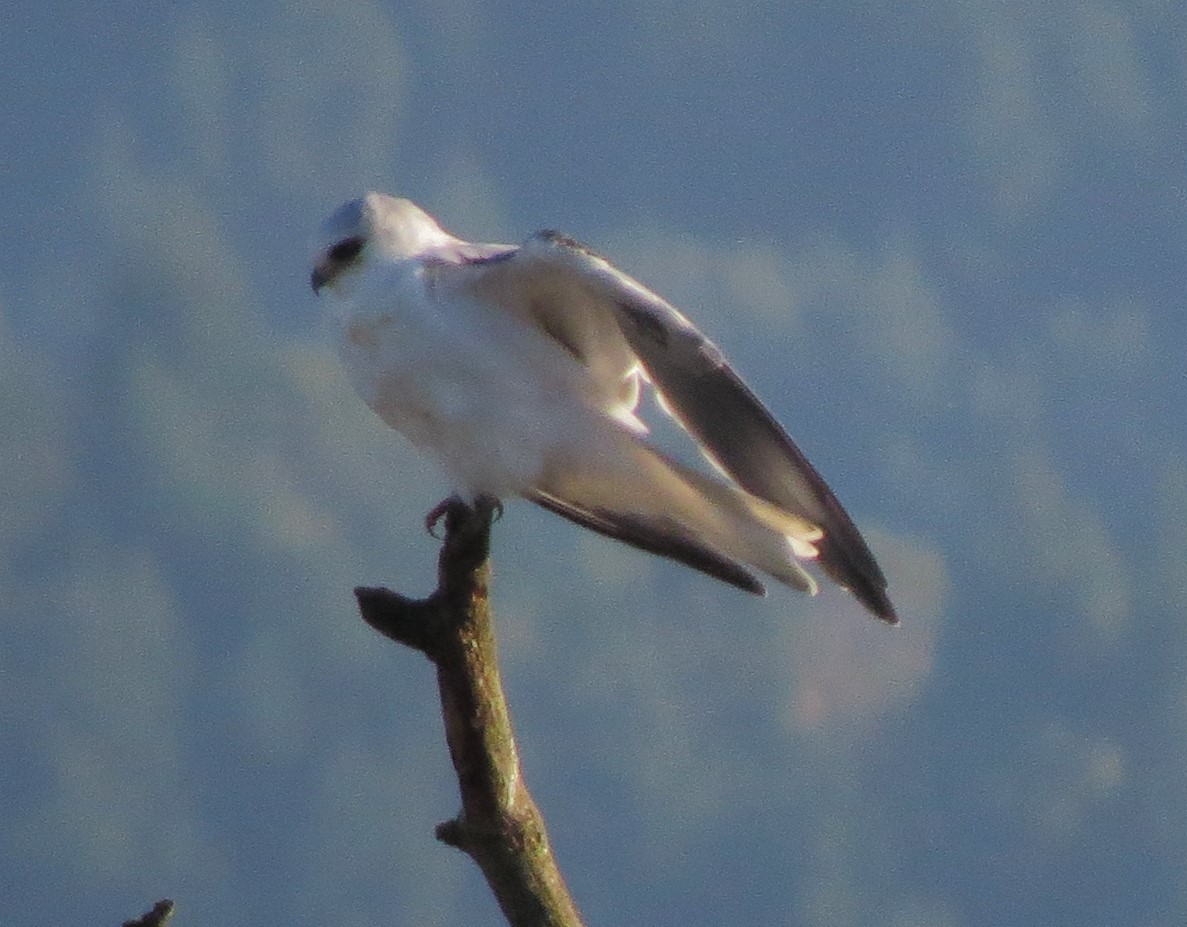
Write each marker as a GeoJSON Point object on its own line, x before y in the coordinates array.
{"type": "Point", "coordinates": [499, 825]}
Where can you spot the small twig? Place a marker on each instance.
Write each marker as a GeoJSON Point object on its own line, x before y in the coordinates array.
{"type": "Point", "coordinates": [499, 825]}
{"type": "Point", "coordinates": [157, 917]}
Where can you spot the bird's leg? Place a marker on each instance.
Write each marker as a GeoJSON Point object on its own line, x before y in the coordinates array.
{"type": "Point", "coordinates": [484, 506]}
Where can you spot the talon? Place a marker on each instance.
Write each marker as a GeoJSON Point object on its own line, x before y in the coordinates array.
{"type": "Point", "coordinates": [436, 513]}
{"type": "Point", "coordinates": [456, 505]}
{"type": "Point", "coordinates": [492, 505]}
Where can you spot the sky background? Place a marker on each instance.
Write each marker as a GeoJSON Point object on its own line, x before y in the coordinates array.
{"type": "Point", "coordinates": [945, 241]}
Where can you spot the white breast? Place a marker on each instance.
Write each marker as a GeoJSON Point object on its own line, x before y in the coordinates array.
{"type": "Point", "coordinates": [483, 393]}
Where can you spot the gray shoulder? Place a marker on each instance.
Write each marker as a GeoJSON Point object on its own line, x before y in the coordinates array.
{"type": "Point", "coordinates": [487, 254]}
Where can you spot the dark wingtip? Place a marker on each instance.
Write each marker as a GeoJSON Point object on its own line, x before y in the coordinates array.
{"type": "Point", "coordinates": [888, 615]}
{"type": "Point", "coordinates": [859, 575]}
{"type": "Point", "coordinates": [877, 603]}
{"type": "Point", "coordinates": [749, 583]}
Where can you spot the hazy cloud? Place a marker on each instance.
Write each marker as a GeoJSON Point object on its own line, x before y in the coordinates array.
{"type": "Point", "coordinates": [1014, 143]}
{"type": "Point", "coordinates": [113, 740]}
{"type": "Point", "coordinates": [332, 88]}
{"type": "Point", "coordinates": [35, 452]}
{"type": "Point", "coordinates": [1108, 68]}
{"type": "Point", "coordinates": [844, 676]}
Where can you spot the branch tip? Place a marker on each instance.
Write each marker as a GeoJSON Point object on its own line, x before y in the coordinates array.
{"type": "Point", "coordinates": [451, 834]}
{"type": "Point", "coordinates": [404, 620]}
{"type": "Point", "coordinates": [160, 914]}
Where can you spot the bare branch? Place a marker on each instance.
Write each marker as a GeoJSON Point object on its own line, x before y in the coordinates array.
{"type": "Point", "coordinates": [499, 825]}
{"type": "Point", "coordinates": [159, 916]}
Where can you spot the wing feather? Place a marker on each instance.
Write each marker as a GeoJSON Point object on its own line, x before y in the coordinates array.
{"type": "Point", "coordinates": [715, 406]}
{"type": "Point", "coordinates": [597, 312]}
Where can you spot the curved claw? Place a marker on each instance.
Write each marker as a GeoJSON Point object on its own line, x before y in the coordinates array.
{"type": "Point", "coordinates": [436, 513]}
{"type": "Point", "coordinates": [489, 505]}
{"type": "Point", "coordinates": [482, 505]}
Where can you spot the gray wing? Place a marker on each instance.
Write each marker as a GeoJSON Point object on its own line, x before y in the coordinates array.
{"type": "Point", "coordinates": [712, 403]}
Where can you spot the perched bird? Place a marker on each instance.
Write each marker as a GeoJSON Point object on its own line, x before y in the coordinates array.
{"type": "Point", "coordinates": [520, 370]}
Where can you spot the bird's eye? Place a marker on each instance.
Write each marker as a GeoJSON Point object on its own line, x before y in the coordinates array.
{"type": "Point", "coordinates": [346, 250]}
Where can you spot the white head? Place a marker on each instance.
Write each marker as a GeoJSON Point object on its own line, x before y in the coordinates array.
{"type": "Point", "coordinates": [375, 225]}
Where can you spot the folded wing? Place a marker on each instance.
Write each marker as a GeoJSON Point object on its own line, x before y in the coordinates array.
{"type": "Point", "coordinates": [604, 316]}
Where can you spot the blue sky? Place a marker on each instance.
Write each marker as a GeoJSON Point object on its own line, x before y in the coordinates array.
{"type": "Point", "coordinates": [944, 241]}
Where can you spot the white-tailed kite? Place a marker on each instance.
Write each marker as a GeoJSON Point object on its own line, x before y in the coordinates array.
{"type": "Point", "coordinates": [520, 370]}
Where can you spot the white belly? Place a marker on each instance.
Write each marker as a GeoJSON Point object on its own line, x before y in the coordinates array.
{"type": "Point", "coordinates": [485, 395]}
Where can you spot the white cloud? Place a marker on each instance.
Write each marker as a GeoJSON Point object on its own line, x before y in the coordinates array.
{"type": "Point", "coordinates": [845, 671]}
{"type": "Point", "coordinates": [1014, 143]}
{"type": "Point", "coordinates": [879, 313]}
{"type": "Point", "coordinates": [468, 201]}
{"type": "Point", "coordinates": [1107, 66]}
{"type": "Point", "coordinates": [1061, 779]}
{"type": "Point", "coordinates": [35, 453]}
{"type": "Point", "coordinates": [273, 708]}
{"type": "Point", "coordinates": [203, 80]}
{"type": "Point", "coordinates": [1111, 342]}
{"type": "Point", "coordinates": [1050, 535]}
{"type": "Point", "coordinates": [1094, 361]}
{"type": "Point", "coordinates": [1054, 81]}
{"type": "Point", "coordinates": [110, 692]}
{"type": "Point", "coordinates": [333, 91]}
{"type": "Point", "coordinates": [371, 847]}
{"type": "Point", "coordinates": [1063, 542]}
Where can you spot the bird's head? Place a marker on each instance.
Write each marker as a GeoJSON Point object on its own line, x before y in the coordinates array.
{"type": "Point", "coordinates": [373, 227]}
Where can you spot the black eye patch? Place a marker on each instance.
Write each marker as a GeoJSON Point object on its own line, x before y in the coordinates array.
{"type": "Point", "coordinates": [346, 250]}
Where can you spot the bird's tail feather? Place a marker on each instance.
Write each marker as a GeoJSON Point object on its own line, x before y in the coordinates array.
{"type": "Point", "coordinates": [654, 538]}
{"type": "Point", "coordinates": [633, 493]}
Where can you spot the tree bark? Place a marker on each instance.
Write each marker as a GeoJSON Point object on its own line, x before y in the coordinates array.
{"type": "Point", "coordinates": [157, 917]}
{"type": "Point", "coordinates": [499, 825]}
